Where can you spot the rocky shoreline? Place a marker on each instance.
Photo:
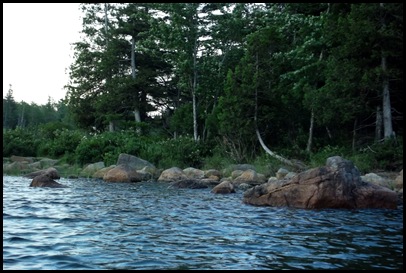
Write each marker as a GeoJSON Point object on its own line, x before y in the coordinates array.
{"type": "Point", "coordinates": [336, 185]}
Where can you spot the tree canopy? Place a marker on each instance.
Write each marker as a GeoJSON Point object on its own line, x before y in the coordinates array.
{"type": "Point", "coordinates": [305, 75]}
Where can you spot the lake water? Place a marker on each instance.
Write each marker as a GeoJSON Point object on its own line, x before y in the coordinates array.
{"type": "Point", "coordinates": [99, 225]}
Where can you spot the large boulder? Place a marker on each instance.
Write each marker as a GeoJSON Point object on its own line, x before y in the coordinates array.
{"type": "Point", "coordinates": [133, 162]}
{"type": "Point", "coordinates": [44, 180]}
{"type": "Point", "coordinates": [91, 169]}
{"type": "Point", "coordinates": [224, 187]}
{"type": "Point", "coordinates": [16, 167]}
{"type": "Point", "coordinates": [281, 173]}
{"type": "Point", "coordinates": [15, 158]}
{"type": "Point", "coordinates": [212, 173]}
{"type": "Point", "coordinates": [173, 174]}
{"type": "Point", "coordinates": [399, 181]}
{"type": "Point", "coordinates": [48, 162]}
{"type": "Point", "coordinates": [375, 179]}
{"type": "Point", "coordinates": [124, 173]}
{"type": "Point", "coordinates": [399, 186]}
{"type": "Point", "coordinates": [102, 172]}
{"type": "Point", "coordinates": [249, 176]}
{"type": "Point", "coordinates": [130, 168]}
{"type": "Point", "coordinates": [336, 185]}
{"type": "Point", "coordinates": [193, 173]}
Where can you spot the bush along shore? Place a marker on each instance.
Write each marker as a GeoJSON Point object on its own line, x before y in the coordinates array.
{"type": "Point", "coordinates": [337, 184]}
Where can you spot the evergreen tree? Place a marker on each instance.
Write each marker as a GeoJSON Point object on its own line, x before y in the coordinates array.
{"type": "Point", "coordinates": [10, 118]}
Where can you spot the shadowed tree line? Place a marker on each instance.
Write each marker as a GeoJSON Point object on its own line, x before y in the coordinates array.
{"type": "Point", "coordinates": [293, 79]}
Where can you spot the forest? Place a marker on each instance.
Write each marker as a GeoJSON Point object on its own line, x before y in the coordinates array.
{"type": "Point", "coordinates": [207, 84]}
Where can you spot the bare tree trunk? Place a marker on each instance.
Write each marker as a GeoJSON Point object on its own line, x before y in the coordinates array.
{"type": "Point", "coordinates": [309, 141]}
{"type": "Point", "coordinates": [111, 126]}
{"type": "Point", "coordinates": [329, 133]}
{"type": "Point", "coordinates": [386, 104]}
{"type": "Point", "coordinates": [106, 5]}
{"type": "Point", "coordinates": [106, 21]}
{"type": "Point", "coordinates": [137, 115]}
{"type": "Point", "coordinates": [274, 155]}
{"type": "Point", "coordinates": [194, 85]}
{"type": "Point", "coordinates": [378, 124]}
{"type": "Point", "coordinates": [354, 134]}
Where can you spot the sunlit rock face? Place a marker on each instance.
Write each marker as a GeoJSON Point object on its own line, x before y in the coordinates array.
{"type": "Point", "coordinates": [130, 168]}
{"type": "Point", "coordinates": [336, 185]}
{"type": "Point", "coordinates": [124, 173]}
{"type": "Point", "coordinates": [224, 187]}
{"type": "Point", "coordinates": [172, 174]}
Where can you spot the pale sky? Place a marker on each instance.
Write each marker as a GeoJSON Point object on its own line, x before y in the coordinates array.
{"type": "Point", "coordinates": [37, 49]}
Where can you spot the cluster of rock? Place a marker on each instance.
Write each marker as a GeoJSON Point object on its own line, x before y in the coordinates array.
{"type": "Point", "coordinates": [336, 185]}
{"type": "Point", "coordinates": [20, 164]}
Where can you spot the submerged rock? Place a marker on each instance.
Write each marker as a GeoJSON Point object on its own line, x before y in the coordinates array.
{"type": "Point", "coordinates": [44, 180]}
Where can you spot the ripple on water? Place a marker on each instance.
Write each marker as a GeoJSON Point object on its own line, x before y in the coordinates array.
{"type": "Point", "coordinates": [98, 225]}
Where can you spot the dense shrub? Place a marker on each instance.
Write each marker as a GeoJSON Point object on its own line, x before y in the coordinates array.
{"type": "Point", "coordinates": [386, 155]}
{"type": "Point", "coordinates": [63, 143]}
{"type": "Point", "coordinates": [49, 130]}
{"type": "Point", "coordinates": [22, 142]}
{"type": "Point", "coordinates": [77, 147]}
{"type": "Point", "coordinates": [92, 148]}
{"type": "Point", "coordinates": [180, 152]}
{"type": "Point", "coordinates": [319, 158]}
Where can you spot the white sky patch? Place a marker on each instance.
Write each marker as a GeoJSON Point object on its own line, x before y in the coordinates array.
{"type": "Point", "coordinates": [37, 49]}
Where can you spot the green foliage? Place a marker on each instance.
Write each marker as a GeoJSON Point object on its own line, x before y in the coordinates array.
{"type": "Point", "coordinates": [281, 61]}
{"type": "Point", "coordinates": [182, 120]}
{"type": "Point", "coordinates": [10, 116]}
{"type": "Point", "coordinates": [93, 148]}
{"type": "Point", "coordinates": [267, 165]}
{"type": "Point", "coordinates": [21, 142]}
{"type": "Point", "coordinates": [319, 158]}
{"type": "Point", "coordinates": [181, 152]}
{"type": "Point", "coordinates": [63, 142]}
{"type": "Point", "coordinates": [386, 155]}
{"type": "Point", "coordinates": [49, 130]}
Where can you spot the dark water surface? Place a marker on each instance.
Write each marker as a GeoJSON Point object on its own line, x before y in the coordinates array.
{"type": "Point", "coordinates": [98, 225]}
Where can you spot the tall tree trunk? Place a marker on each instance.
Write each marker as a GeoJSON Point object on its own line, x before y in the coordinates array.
{"type": "Point", "coordinates": [329, 133]}
{"type": "Point", "coordinates": [111, 126]}
{"type": "Point", "coordinates": [386, 104]}
{"type": "Point", "coordinates": [106, 21]}
{"type": "Point", "coordinates": [194, 85]}
{"type": "Point", "coordinates": [354, 134]}
{"type": "Point", "coordinates": [21, 121]}
{"type": "Point", "coordinates": [309, 141]}
{"type": "Point", "coordinates": [378, 124]}
{"type": "Point", "coordinates": [137, 115]}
